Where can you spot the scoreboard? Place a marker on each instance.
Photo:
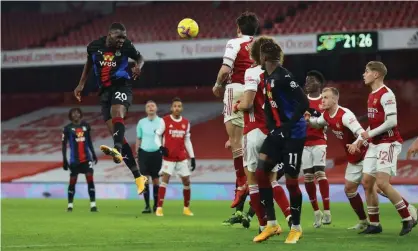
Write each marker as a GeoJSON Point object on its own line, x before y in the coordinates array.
{"type": "Point", "coordinates": [347, 42]}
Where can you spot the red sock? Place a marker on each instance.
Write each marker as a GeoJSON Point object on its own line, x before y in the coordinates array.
{"type": "Point", "coordinates": [311, 190]}
{"type": "Point", "coordinates": [406, 202]}
{"type": "Point", "coordinates": [239, 168]}
{"type": "Point", "coordinates": [357, 204]}
{"type": "Point", "coordinates": [256, 204]}
{"type": "Point", "coordinates": [281, 199]}
{"type": "Point", "coordinates": [324, 189]}
{"type": "Point", "coordinates": [186, 196]}
{"type": "Point", "coordinates": [402, 209]}
{"type": "Point", "coordinates": [373, 213]}
{"type": "Point", "coordinates": [161, 194]}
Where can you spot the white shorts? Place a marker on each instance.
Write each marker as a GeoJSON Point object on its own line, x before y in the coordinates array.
{"type": "Point", "coordinates": [252, 142]}
{"type": "Point", "coordinates": [233, 93]}
{"type": "Point", "coordinates": [354, 172]}
{"type": "Point", "coordinates": [314, 156]}
{"type": "Point", "coordinates": [382, 158]}
{"type": "Point", "coordinates": [180, 168]}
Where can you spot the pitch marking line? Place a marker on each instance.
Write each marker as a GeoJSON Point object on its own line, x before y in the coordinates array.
{"type": "Point", "coordinates": [63, 245]}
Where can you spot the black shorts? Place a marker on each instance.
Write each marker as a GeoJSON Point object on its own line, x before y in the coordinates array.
{"type": "Point", "coordinates": [292, 156]}
{"type": "Point", "coordinates": [85, 167]}
{"type": "Point", "coordinates": [287, 152]}
{"type": "Point", "coordinates": [114, 95]}
{"type": "Point", "coordinates": [150, 163]}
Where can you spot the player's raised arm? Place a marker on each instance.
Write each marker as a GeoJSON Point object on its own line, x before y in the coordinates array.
{"type": "Point", "coordinates": [90, 144]}
{"type": "Point", "coordinates": [388, 103]}
{"type": "Point", "coordinates": [64, 148]}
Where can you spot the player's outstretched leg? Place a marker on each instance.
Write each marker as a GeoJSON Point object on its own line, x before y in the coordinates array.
{"type": "Point", "coordinates": [323, 184]}
{"type": "Point", "coordinates": [92, 191]}
{"type": "Point", "coordinates": [129, 159]}
{"type": "Point", "coordinates": [118, 137]}
{"type": "Point", "coordinates": [412, 210]}
{"type": "Point", "coordinates": [71, 191]}
{"type": "Point", "coordinates": [382, 181]}
{"type": "Point", "coordinates": [186, 195]}
{"type": "Point", "coordinates": [356, 203]}
{"type": "Point", "coordinates": [263, 173]}
{"type": "Point", "coordinates": [117, 128]}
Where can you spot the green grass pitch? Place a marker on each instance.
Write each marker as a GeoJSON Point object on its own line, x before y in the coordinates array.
{"type": "Point", "coordinates": [44, 225]}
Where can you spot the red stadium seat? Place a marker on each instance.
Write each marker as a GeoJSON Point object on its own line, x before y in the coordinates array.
{"type": "Point", "coordinates": [145, 23]}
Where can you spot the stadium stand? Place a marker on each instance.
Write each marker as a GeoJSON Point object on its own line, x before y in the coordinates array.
{"type": "Point", "coordinates": [69, 29]}
{"type": "Point", "coordinates": [30, 29]}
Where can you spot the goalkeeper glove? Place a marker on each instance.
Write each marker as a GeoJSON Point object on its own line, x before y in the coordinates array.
{"type": "Point", "coordinates": [193, 163]}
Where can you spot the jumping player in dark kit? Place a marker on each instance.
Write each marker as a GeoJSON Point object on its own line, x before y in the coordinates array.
{"type": "Point", "coordinates": [285, 104]}
{"type": "Point", "coordinates": [82, 156]}
{"type": "Point", "coordinates": [108, 56]}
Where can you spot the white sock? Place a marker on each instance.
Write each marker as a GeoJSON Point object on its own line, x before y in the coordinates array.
{"type": "Point", "coordinates": [297, 227]}
{"type": "Point", "coordinates": [272, 223]}
{"type": "Point", "coordinates": [317, 212]}
{"type": "Point", "coordinates": [407, 218]}
{"type": "Point", "coordinates": [70, 205]}
{"type": "Point", "coordinates": [327, 212]}
{"type": "Point", "coordinates": [262, 228]}
{"type": "Point", "coordinates": [92, 204]}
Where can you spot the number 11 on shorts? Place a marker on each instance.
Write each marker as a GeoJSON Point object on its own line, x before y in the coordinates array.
{"type": "Point", "coordinates": [293, 159]}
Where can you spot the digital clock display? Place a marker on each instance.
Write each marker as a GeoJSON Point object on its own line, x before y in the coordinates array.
{"type": "Point", "coordinates": [347, 41]}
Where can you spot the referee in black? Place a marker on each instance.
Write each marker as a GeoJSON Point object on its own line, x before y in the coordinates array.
{"type": "Point", "coordinates": [149, 155]}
